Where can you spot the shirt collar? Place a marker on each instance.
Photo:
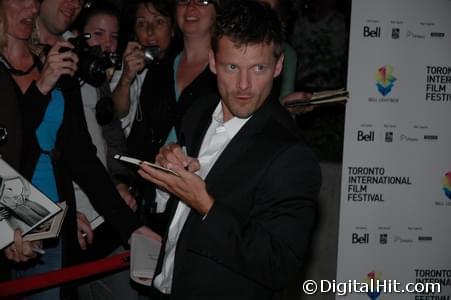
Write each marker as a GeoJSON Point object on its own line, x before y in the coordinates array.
{"type": "Point", "coordinates": [233, 125]}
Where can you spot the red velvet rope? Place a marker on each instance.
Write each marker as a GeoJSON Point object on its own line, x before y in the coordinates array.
{"type": "Point", "coordinates": [54, 278]}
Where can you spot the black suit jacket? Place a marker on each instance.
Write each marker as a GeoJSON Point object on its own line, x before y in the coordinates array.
{"type": "Point", "coordinates": [255, 237]}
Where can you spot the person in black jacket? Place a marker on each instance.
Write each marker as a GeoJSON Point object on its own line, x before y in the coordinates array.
{"type": "Point", "coordinates": [169, 87]}
{"type": "Point", "coordinates": [247, 183]}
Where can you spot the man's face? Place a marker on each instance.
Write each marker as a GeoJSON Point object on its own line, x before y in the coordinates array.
{"type": "Point", "coordinates": [245, 75]}
{"type": "Point", "coordinates": [58, 15]}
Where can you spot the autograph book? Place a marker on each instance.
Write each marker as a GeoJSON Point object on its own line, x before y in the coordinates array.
{"type": "Point", "coordinates": [22, 206]}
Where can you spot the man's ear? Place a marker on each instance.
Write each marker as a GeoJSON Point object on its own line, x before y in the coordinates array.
{"type": "Point", "coordinates": [212, 61]}
{"type": "Point", "coordinates": [279, 66]}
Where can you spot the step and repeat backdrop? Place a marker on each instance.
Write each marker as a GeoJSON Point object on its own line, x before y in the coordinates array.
{"type": "Point", "coordinates": [395, 214]}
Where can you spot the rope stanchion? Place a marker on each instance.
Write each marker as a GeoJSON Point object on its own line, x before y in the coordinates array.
{"type": "Point", "coordinates": [54, 278]}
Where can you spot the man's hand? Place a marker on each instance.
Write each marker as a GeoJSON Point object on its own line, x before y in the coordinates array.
{"type": "Point", "coordinates": [84, 231]}
{"type": "Point", "coordinates": [57, 64]}
{"type": "Point", "coordinates": [20, 250]}
{"type": "Point", "coordinates": [173, 155]}
{"type": "Point", "coordinates": [295, 97]}
{"type": "Point", "coordinates": [189, 187]}
{"type": "Point", "coordinates": [128, 198]}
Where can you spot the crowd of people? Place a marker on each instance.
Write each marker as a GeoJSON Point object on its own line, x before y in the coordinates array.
{"type": "Point", "coordinates": [193, 92]}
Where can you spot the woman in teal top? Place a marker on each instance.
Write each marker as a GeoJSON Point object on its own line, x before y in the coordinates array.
{"type": "Point", "coordinates": [31, 82]}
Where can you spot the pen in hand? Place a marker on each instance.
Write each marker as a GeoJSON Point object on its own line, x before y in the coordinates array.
{"type": "Point", "coordinates": [38, 251]}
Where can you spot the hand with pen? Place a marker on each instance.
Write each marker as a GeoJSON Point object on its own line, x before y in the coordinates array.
{"type": "Point", "coordinates": [23, 251]}
{"type": "Point", "coordinates": [188, 186]}
{"type": "Point", "coordinates": [85, 233]}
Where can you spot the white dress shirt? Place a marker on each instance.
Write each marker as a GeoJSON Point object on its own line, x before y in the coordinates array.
{"type": "Point", "coordinates": [218, 135]}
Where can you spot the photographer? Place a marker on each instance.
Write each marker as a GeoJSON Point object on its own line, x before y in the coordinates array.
{"type": "Point", "coordinates": [60, 150]}
{"type": "Point", "coordinates": [140, 87]}
{"type": "Point", "coordinates": [101, 22]}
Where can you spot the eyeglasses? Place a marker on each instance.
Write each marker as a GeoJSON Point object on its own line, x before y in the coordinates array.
{"type": "Point", "coordinates": [196, 2]}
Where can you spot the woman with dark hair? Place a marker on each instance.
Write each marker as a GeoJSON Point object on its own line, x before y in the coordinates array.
{"type": "Point", "coordinates": [137, 88]}
{"type": "Point", "coordinates": [172, 85]}
{"type": "Point", "coordinates": [101, 22]}
{"type": "Point", "coordinates": [153, 28]}
{"type": "Point", "coordinates": [169, 87]}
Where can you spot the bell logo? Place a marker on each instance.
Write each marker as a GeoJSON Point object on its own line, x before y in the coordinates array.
{"type": "Point", "coordinates": [371, 33]}
{"type": "Point", "coordinates": [363, 239]}
{"type": "Point", "coordinates": [365, 137]}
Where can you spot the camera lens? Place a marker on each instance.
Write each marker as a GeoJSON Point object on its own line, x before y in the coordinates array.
{"type": "Point", "coordinates": [151, 54]}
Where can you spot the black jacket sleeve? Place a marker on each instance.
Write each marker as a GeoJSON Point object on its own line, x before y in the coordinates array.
{"type": "Point", "coordinates": [79, 156]}
{"type": "Point", "coordinates": [270, 246]}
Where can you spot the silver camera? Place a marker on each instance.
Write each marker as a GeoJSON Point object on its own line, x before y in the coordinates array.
{"type": "Point", "coordinates": [151, 54]}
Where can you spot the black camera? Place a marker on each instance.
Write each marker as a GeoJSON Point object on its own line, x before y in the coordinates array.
{"type": "Point", "coordinates": [93, 63]}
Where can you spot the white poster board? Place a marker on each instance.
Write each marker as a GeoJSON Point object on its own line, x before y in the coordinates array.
{"type": "Point", "coordinates": [395, 215]}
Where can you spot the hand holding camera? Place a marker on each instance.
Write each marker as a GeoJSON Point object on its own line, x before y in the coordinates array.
{"type": "Point", "coordinates": [136, 58]}
{"type": "Point", "coordinates": [133, 62]}
{"type": "Point", "coordinates": [57, 63]}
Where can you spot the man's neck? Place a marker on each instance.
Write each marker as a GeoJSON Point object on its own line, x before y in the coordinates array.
{"type": "Point", "coordinates": [226, 115]}
{"type": "Point", "coordinates": [46, 37]}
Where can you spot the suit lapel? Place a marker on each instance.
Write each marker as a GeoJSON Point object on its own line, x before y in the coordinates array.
{"type": "Point", "coordinates": [196, 128]}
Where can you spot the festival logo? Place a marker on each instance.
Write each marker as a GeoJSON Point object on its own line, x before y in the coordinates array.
{"type": "Point", "coordinates": [385, 79]}
{"type": "Point", "coordinates": [372, 279]}
{"type": "Point", "coordinates": [447, 185]}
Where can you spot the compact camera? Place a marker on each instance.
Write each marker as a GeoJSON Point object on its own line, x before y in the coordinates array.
{"type": "Point", "coordinates": [151, 55]}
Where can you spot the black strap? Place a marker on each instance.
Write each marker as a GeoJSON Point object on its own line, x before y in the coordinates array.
{"type": "Point", "coordinates": [16, 72]}
{"type": "Point", "coordinates": [54, 153]}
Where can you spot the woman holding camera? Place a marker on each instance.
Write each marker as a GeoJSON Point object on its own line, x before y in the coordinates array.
{"type": "Point", "coordinates": [154, 28]}
{"type": "Point", "coordinates": [170, 87]}
{"type": "Point", "coordinates": [101, 22]}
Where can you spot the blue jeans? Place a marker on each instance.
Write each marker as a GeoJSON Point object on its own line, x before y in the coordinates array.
{"type": "Point", "coordinates": [50, 261]}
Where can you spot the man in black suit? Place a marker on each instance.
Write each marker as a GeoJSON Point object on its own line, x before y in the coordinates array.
{"type": "Point", "coordinates": [245, 197]}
